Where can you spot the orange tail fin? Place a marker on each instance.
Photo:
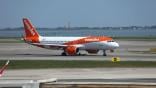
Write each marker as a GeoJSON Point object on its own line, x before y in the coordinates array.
{"type": "Point", "coordinates": [31, 35]}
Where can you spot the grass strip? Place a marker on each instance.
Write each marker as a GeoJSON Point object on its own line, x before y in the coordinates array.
{"type": "Point", "coordinates": [9, 40]}
{"type": "Point", "coordinates": [39, 64]}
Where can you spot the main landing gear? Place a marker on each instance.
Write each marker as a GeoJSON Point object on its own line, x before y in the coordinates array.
{"type": "Point", "coordinates": [64, 54]}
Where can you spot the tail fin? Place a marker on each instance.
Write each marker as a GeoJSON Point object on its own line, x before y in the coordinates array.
{"type": "Point", "coordinates": [3, 68]}
{"type": "Point", "coordinates": [31, 34]}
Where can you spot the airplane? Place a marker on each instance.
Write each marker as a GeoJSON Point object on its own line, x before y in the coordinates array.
{"type": "Point", "coordinates": [3, 68]}
{"type": "Point", "coordinates": [70, 45]}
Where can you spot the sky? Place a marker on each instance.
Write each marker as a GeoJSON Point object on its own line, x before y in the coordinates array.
{"type": "Point", "coordinates": [80, 13]}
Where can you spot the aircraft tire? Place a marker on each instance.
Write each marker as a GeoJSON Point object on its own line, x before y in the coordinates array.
{"type": "Point", "coordinates": [64, 54]}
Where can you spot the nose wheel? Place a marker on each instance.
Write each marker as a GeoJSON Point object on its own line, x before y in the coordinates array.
{"type": "Point", "coordinates": [104, 53]}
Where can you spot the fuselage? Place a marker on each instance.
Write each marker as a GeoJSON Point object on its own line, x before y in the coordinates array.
{"type": "Point", "coordinates": [91, 44]}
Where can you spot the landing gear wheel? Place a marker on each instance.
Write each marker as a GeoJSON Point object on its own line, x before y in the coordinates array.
{"type": "Point", "coordinates": [104, 53]}
{"type": "Point", "coordinates": [79, 54]}
{"type": "Point", "coordinates": [64, 54]}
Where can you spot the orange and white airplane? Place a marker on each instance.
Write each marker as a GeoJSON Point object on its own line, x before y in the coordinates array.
{"type": "Point", "coordinates": [69, 45]}
{"type": "Point", "coordinates": [3, 68]}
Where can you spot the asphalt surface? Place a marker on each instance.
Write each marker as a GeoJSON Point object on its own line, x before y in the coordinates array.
{"type": "Point", "coordinates": [96, 75]}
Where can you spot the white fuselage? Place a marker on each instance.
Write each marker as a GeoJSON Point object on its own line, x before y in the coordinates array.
{"type": "Point", "coordinates": [100, 45]}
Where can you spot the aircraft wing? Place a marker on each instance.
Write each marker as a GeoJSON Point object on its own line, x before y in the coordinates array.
{"type": "Point", "coordinates": [3, 68]}
{"type": "Point", "coordinates": [54, 46]}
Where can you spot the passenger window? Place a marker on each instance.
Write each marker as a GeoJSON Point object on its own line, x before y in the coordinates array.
{"type": "Point", "coordinates": [110, 41]}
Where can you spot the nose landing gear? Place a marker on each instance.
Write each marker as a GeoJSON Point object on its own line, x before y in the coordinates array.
{"type": "Point", "coordinates": [104, 53]}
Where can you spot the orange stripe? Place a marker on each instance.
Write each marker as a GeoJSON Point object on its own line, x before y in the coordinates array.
{"type": "Point", "coordinates": [89, 40]}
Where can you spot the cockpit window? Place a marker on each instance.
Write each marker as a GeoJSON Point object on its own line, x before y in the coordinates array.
{"type": "Point", "coordinates": [110, 41]}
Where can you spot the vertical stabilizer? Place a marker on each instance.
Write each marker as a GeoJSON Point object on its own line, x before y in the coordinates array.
{"type": "Point", "coordinates": [31, 35]}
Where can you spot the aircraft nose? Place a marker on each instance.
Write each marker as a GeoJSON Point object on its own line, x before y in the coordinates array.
{"type": "Point", "coordinates": [116, 45]}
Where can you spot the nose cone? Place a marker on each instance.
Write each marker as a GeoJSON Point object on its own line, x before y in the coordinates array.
{"type": "Point", "coordinates": [116, 45]}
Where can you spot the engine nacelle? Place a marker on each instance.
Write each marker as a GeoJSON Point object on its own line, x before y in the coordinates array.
{"type": "Point", "coordinates": [71, 50]}
{"type": "Point", "coordinates": [92, 51]}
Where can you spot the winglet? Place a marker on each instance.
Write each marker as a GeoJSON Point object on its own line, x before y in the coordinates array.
{"type": "Point", "coordinates": [3, 68]}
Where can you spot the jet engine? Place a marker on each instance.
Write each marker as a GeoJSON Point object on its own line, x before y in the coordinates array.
{"type": "Point", "coordinates": [71, 50]}
{"type": "Point", "coordinates": [92, 51]}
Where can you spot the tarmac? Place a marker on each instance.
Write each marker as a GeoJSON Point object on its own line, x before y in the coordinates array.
{"type": "Point", "coordinates": [82, 73]}
{"type": "Point", "coordinates": [89, 76]}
